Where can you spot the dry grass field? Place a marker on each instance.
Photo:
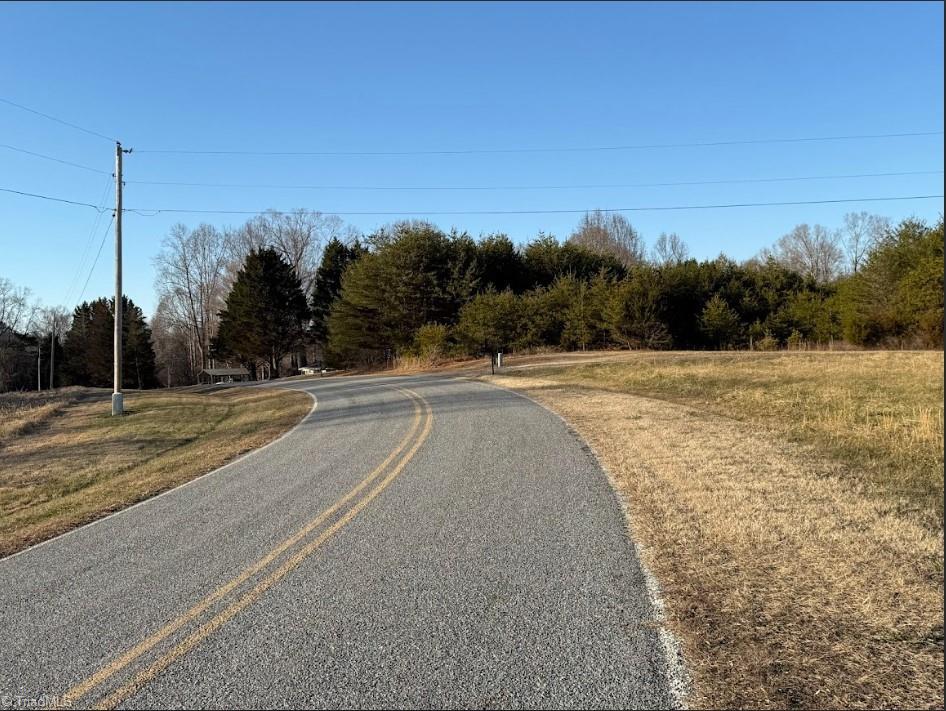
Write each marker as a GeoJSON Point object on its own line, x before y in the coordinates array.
{"type": "Point", "coordinates": [65, 461]}
{"type": "Point", "coordinates": [790, 505]}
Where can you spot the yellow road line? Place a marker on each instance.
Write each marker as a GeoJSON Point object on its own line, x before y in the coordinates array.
{"type": "Point", "coordinates": [84, 687]}
{"type": "Point", "coordinates": [205, 630]}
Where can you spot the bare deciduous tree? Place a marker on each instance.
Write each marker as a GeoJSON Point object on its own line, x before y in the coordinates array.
{"type": "Point", "coordinates": [861, 232]}
{"type": "Point", "coordinates": [670, 249]}
{"type": "Point", "coordinates": [196, 268]}
{"type": "Point", "coordinates": [17, 313]}
{"type": "Point", "coordinates": [190, 280]}
{"type": "Point", "coordinates": [174, 347]}
{"type": "Point", "coordinates": [609, 233]}
{"type": "Point", "coordinates": [812, 251]}
{"type": "Point", "coordinates": [297, 236]}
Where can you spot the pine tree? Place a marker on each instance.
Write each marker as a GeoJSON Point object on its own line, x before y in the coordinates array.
{"type": "Point", "coordinates": [328, 283]}
{"type": "Point", "coordinates": [414, 275]}
{"type": "Point", "coordinates": [88, 349]}
{"type": "Point", "coordinates": [265, 314]}
{"type": "Point", "coordinates": [720, 322]}
{"type": "Point", "coordinates": [499, 264]}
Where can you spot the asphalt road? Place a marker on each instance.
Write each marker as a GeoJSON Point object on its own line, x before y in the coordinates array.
{"type": "Point", "coordinates": [415, 542]}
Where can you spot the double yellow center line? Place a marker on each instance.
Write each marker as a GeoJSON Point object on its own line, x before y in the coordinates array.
{"type": "Point", "coordinates": [408, 446]}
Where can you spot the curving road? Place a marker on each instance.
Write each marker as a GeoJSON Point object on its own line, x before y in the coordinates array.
{"type": "Point", "coordinates": [414, 542]}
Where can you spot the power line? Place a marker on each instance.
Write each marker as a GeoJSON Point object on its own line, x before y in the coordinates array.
{"type": "Point", "coordinates": [167, 210]}
{"type": "Point", "coordinates": [56, 160]}
{"type": "Point", "coordinates": [395, 188]}
{"type": "Point", "coordinates": [96, 261]}
{"type": "Point", "coordinates": [570, 149]}
{"type": "Point", "coordinates": [53, 199]}
{"type": "Point", "coordinates": [157, 211]}
{"type": "Point", "coordinates": [90, 240]}
{"type": "Point", "coordinates": [58, 120]}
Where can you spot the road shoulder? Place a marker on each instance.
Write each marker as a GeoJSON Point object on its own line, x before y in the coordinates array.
{"type": "Point", "coordinates": [785, 586]}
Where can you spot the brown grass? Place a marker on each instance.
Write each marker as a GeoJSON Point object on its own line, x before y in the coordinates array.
{"type": "Point", "coordinates": [21, 412]}
{"type": "Point", "coordinates": [880, 413]}
{"type": "Point", "coordinates": [65, 461]}
{"type": "Point", "coordinates": [784, 503]}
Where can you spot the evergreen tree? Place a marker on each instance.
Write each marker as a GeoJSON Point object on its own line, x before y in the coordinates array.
{"type": "Point", "coordinates": [585, 322]}
{"type": "Point", "coordinates": [897, 297]}
{"type": "Point", "coordinates": [415, 274]}
{"type": "Point", "coordinates": [328, 283]}
{"type": "Point", "coordinates": [720, 322]}
{"type": "Point", "coordinates": [499, 264]}
{"type": "Point", "coordinates": [265, 314]}
{"type": "Point", "coordinates": [89, 348]}
{"type": "Point", "coordinates": [634, 311]}
{"type": "Point", "coordinates": [545, 260]}
{"type": "Point", "coordinates": [490, 322]}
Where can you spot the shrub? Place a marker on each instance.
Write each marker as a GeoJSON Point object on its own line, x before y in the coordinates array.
{"type": "Point", "coordinates": [431, 341]}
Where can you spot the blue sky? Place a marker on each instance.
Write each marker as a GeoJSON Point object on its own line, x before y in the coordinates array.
{"type": "Point", "coordinates": [415, 77]}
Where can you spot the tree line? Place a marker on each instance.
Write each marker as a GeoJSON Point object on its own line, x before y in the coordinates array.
{"type": "Point", "coordinates": [289, 289]}
{"type": "Point", "coordinates": [420, 291]}
{"type": "Point", "coordinates": [44, 347]}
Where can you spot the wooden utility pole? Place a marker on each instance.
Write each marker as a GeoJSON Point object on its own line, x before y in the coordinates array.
{"type": "Point", "coordinates": [52, 352]}
{"type": "Point", "coordinates": [117, 398]}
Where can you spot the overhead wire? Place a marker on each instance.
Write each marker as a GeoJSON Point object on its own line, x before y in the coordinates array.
{"type": "Point", "coordinates": [58, 120]}
{"type": "Point", "coordinates": [54, 159]}
{"type": "Point", "coordinates": [100, 209]}
{"type": "Point", "coordinates": [50, 198]}
{"type": "Point", "coordinates": [90, 240]}
{"type": "Point", "coordinates": [152, 212]}
{"type": "Point", "coordinates": [598, 186]}
{"type": "Point", "coordinates": [560, 149]}
{"type": "Point", "coordinates": [96, 261]}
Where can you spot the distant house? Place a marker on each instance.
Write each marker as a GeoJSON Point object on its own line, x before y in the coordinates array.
{"type": "Point", "coordinates": [210, 376]}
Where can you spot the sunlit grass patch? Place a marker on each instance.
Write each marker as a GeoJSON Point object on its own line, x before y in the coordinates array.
{"type": "Point", "coordinates": [64, 460]}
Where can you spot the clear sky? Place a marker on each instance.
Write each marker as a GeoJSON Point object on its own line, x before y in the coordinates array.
{"type": "Point", "coordinates": [428, 77]}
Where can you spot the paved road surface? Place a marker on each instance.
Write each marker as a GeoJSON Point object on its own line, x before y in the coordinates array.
{"type": "Point", "coordinates": [415, 542]}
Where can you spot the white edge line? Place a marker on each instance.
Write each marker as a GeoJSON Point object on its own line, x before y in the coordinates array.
{"type": "Point", "coordinates": [678, 679]}
{"type": "Point", "coordinates": [245, 455]}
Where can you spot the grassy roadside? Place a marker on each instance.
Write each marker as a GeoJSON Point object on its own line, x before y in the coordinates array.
{"type": "Point", "coordinates": [65, 461]}
{"type": "Point", "coordinates": [881, 413]}
{"type": "Point", "coordinates": [791, 507]}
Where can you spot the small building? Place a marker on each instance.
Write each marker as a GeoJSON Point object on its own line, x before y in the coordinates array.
{"type": "Point", "coordinates": [309, 370]}
{"type": "Point", "coordinates": [209, 376]}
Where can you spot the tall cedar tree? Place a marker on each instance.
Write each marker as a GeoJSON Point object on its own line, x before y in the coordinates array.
{"type": "Point", "coordinates": [328, 283]}
{"type": "Point", "coordinates": [88, 348]}
{"type": "Point", "coordinates": [265, 314]}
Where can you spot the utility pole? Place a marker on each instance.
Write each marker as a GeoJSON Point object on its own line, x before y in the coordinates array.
{"type": "Point", "coordinates": [52, 352]}
{"type": "Point", "coordinates": [117, 399]}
